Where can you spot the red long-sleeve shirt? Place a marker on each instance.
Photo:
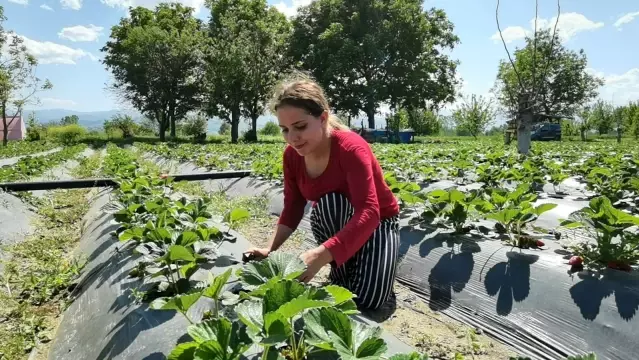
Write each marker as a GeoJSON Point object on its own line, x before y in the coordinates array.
{"type": "Point", "coordinates": [352, 170]}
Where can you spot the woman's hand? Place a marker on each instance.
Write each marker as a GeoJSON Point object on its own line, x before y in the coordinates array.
{"type": "Point", "coordinates": [258, 253]}
{"type": "Point", "coordinates": [315, 259]}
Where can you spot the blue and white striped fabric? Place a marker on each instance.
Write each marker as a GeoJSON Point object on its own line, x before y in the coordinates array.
{"type": "Point", "coordinates": [370, 273]}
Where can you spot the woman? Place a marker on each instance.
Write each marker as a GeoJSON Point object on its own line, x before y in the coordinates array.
{"type": "Point", "coordinates": [354, 217]}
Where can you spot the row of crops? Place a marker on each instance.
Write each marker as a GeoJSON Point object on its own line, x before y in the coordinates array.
{"type": "Point", "coordinates": [31, 166]}
{"type": "Point", "coordinates": [261, 307]}
{"type": "Point", "coordinates": [489, 182]}
{"type": "Point", "coordinates": [19, 148]}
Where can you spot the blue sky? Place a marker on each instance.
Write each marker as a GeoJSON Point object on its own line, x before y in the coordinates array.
{"type": "Point", "coordinates": [66, 35]}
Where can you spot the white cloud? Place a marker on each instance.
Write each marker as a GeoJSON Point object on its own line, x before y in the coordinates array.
{"type": "Point", "coordinates": [569, 25]}
{"type": "Point", "coordinates": [291, 10]}
{"type": "Point", "coordinates": [53, 102]}
{"type": "Point", "coordinates": [151, 4]}
{"type": "Point", "coordinates": [81, 33]}
{"type": "Point", "coordinates": [510, 34]}
{"type": "Point", "coordinates": [71, 4]}
{"type": "Point", "coordinates": [46, 7]}
{"type": "Point", "coordinates": [20, 2]}
{"type": "Point", "coordinates": [626, 19]}
{"type": "Point", "coordinates": [619, 88]}
{"type": "Point", "coordinates": [51, 53]}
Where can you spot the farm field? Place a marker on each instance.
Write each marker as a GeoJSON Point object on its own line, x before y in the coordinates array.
{"type": "Point", "coordinates": [486, 236]}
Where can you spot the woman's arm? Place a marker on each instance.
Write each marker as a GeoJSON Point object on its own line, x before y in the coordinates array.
{"type": "Point", "coordinates": [282, 233]}
{"type": "Point", "coordinates": [363, 194]}
{"type": "Point", "coordinates": [294, 204]}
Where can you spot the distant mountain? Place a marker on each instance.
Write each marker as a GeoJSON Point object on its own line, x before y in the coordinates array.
{"type": "Point", "coordinates": [90, 120]}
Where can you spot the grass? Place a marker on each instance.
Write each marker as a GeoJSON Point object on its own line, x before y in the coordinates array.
{"type": "Point", "coordinates": [38, 275]}
{"type": "Point", "coordinates": [39, 272]}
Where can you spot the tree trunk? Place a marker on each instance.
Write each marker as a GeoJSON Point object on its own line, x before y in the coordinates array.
{"type": "Point", "coordinates": [370, 113]}
{"type": "Point", "coordinates": [618, 132]}
{"type": "Point", "coordinates": [523, 132]}
{"type": "Point", "coordinates": [159, 117]}
{"type": "Point", "coordinates": [172, 122]}
{"type": "Point", "coordinates": [235, 125]}
{"type": "Point", "coordinates": [5, 129]}
{"type": "Point", "coordinates": [254, 127]}
{"type": "Point", "coordinates": [348, 118]}
{"type": "Point", "coordinates": [583, 134]}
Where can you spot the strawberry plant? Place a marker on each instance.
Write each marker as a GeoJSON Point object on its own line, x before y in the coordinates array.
{"type": "Point", "coordinates": [287, 319]}
{"type": "Point", "coordinates": [451, 207]}
{"type": "Point", "coordinates": [615, 246]}
{"type": "Point", "coordinates": [512, 211]}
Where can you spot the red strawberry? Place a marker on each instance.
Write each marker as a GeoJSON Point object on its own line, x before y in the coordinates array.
{"type": "Point", "coordinates": [164, 176]}
{"type": "Point", "coordinates": [575, 261]}
{"type": "Point", "coordinates": [540, 243]}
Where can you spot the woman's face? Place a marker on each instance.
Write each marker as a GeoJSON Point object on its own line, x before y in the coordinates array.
{"type": "Point", "coordinates": [303, 131]}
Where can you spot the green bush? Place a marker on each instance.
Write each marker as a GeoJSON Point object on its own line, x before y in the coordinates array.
{"type": "Point", "coordinates": [123, 123]}
{"type": "Point", "coordinates": [225, 128]}
{"type": "Point", "coordinates": [67, 134]}
{"type": "Point", "coordinates": [195, 127]}
{"type": "Point", "coordinates": [35, 130]}
{"type": "Point", "coordinates": [270, 128]}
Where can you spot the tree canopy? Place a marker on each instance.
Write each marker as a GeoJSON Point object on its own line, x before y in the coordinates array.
{"type": "Point", "coordinates": [371, 52]}
{"type": "Point", "coordinates": [156, 58]}
{"type": "Point", "coordinates": [18, 81]}
{"type": "Point", "coordinates": [557, 75]}
{"type": "Point", "coordinates": [474, 116]}
{"type": "Point", "coordinates": [249, 41]}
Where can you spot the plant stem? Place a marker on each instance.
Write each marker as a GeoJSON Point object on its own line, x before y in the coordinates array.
{"type": "Point", "coordinates": [172, 278]}
{"type": "Point", "coordinates": [265, 352]}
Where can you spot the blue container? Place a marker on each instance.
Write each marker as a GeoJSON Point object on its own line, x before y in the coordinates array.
{"type": "Point", "coordinates": [405, 136]}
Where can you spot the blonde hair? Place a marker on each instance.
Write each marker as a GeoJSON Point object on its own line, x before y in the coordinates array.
{"type": "Point", "coordinates": [301, 91]}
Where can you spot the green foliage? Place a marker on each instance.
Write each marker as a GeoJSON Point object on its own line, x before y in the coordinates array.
{"type": "Point", "coordinates": [69, 120]}
{"type": "Point", "coordinates": [557, 75]}
{"type": "Point", "coordinates": [474, 116]}
{"type": "Point", "coordinates": [67, 134]}
{"type": "Point", "coordinates": [270, 129]}
{"type": "Point", "coordinates": [248, 38]}
{"type": "Point", "coordinates": [601, 116]}
{"type": "Point", "coordinates": [122, 123]}
{"type": "Point", "coordinates": [171, 44]}
{"type": "Point", "coordinates": [607, 223]}
{"type": "Point", "coordinates": [18, 80]}
{"type": "Point", "coordinates": [373, 52]}
{"type": "Point", "coordinates": [225, 129]}
{"type": "Point", "coordinates": [35, 131]}
{"type": "Point", "coordinates": [195, 127]}
{"type": "Point", "coordinates": [424, 122]}
{"type": "Point", "coordinates": [398, 121]}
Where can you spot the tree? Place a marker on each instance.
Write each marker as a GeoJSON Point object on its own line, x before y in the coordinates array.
{"type": "Point", "coordinates": [225, 128]}
{"type": "Point", "coordinates": [424, 122]}
{"type": "Point", "coordinates": [568, 127]}
{"type": "Point", "coordinates": [270, 129]}
{"type": "Point", "coordinates": [69, 120]}
{"type": "Point", "coordinates": [631, 118]}
{"type": "Point", "coordinates": [397, 121]}
{"type": "Point", "coordinates": [618, 115]}
{"type": "Point", "coordinates": [157, 61]}
{"type": "Point", "coordinates": [365, 53]}
{"type": "Point", "coordinates": [474, 116]}
{"type": "Point", "coordinates": [584, 121]}
{"type": "Point", "coordinates": [602, 117]}
{"type": "Point", "coordinates": [18, 80]}
{"type": "Point", "coordinates": [558, 76]}
{"type": "Point", "coordinates": [248, 40]}
{"type": "Point", "coordinates": [123, 123]}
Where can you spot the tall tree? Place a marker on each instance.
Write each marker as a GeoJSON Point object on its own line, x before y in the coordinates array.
{"type": "Point", "coordinates": [157, 61]}
{"type": "Point", "coordinates": [602, 117]}
{"type": "Point", "coordinates": [69, 120]}
{"type": "Point", "coordinates": [474, 116]}
{"type": "Point", "coordinates": [249, 39]}
{"type": "Point", "coordinates": [365, 53]}
{"type": "Point", "coordinates": [557, 75]}
{"type": "Point", "coordinates": [584, 120]}
{"type": "Point", "coordinates": [18, 81]}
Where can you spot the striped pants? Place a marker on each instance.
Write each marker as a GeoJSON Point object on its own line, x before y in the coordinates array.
{"type": "Point", "coordinates": [370, 273]}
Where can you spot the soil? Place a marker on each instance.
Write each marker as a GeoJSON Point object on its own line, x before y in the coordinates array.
{"type": "Point", "coordinates": [407, 317]}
